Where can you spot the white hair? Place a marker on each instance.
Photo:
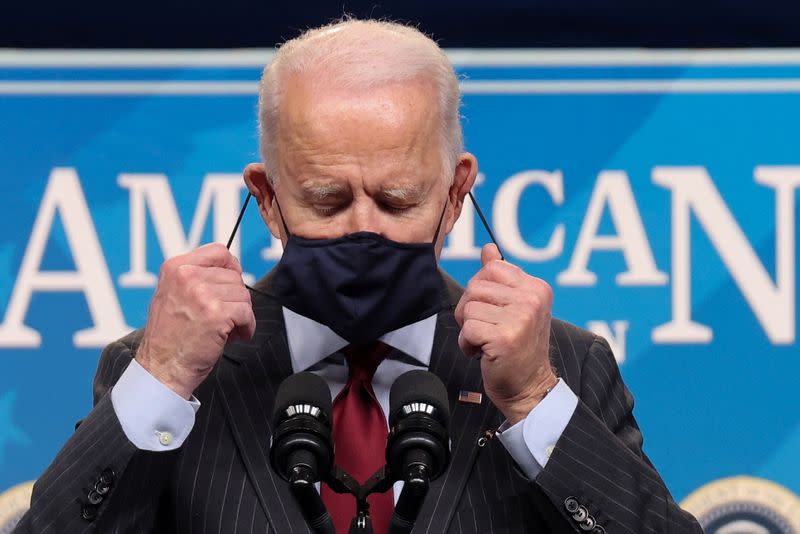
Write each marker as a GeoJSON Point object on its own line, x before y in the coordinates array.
{"type": "Point", "coordinates": [362, 54]}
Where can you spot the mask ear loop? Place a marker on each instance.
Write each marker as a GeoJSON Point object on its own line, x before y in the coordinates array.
{"type": "Point", "coordinates": [439, 226]}
{"type": "Point", "coordinates": [283, 221]}
{"type": "Point", "coordinates": [486, 224]}
{"type": "Point", "coordinates": [236, 227]}
{"type": "Point", "coordinates": [238, 221]}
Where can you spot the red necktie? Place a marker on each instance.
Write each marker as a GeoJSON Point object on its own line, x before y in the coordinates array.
{"type": "Point", "coordinates": [359, 433]}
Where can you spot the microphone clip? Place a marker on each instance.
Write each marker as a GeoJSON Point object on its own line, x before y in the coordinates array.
{"type": "Point", "coordinates": [341, 482]}
{"type": "Point", "coordinates": [415, 488]}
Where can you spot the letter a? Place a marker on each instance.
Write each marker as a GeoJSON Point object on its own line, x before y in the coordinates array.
{"type": "Point", "coordinates": [91, 276]}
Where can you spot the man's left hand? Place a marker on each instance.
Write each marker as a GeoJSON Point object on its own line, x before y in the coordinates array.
{"type": "Point", "coordinates": [504, 315]}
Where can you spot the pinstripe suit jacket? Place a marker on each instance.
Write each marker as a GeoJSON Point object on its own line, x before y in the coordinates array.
{"type": "Point", "coordinates": [220, 479]}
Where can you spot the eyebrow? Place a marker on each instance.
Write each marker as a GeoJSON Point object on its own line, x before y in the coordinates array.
{"type": "Point", "coordinates": [403, 193]}
{"type": "Point", "coordinates": [321, 191]}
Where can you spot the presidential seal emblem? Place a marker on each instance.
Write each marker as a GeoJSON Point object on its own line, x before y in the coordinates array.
{"type": "Point", "coordinates": [14, 502]}
{"type": "Point", "coordinates": [745, 505]}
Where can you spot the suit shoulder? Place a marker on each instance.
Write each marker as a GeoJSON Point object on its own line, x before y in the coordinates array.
{"type": "Point", "coordinates": [572, 349]}
{"type": "Point", "coordinates": [579, 339]}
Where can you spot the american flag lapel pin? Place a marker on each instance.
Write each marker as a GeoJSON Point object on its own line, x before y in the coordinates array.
{"type": "Point", "coordinates": [473, 397]}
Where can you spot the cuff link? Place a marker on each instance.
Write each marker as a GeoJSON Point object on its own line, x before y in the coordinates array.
{"type": "Point", "coordinates": [164, 438]}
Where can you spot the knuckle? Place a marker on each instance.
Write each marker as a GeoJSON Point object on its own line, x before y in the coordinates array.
{"type": "Point", "coordinates": [168, 267]}
{"type": "Point", "coordinates": [184, 273]}
{"type": "Point", "coordinates": [471, 326]}
{"type": "Point", "coordinates": [199, 293]}
{"type": "Point", "coordinates": [523, 314]}
{"type": "Point", "coordinates": [532, 304]}
{"type": "Point", "coordinates": [474, 284]}
{"type": "Point", "coordinates": [479, 287]}
{"type": "Point", "coordinates": [508, 336]}
{"type": "Point", "coordinates": [544, 289]}
{"type": "Point", "coordinates": [469, 309]}
{"type": "Point", "coordinates": [468, 327]}
{"type": "Point", "coordinates": [210, 309]}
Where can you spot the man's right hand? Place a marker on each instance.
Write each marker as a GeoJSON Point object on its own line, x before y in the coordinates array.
{"type": "Point", "coordinates": [200, 303]}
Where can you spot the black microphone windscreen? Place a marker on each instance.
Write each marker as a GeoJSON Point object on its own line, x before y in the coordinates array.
{"type": "Point", "coordinates": [419, 386]}
{"type": "Point", "coordinates": [303, 388]}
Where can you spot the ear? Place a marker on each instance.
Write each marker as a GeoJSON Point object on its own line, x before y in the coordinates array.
{"type": "Point", "coordinates": [260, 186]}
{"type": "Point", "coordinates": [463, 179]}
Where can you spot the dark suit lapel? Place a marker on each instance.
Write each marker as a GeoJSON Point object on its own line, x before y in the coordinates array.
{"type": "Point", "coordinates": [468, 421]}
{"type": "Point", "coordinates": [248, 377]}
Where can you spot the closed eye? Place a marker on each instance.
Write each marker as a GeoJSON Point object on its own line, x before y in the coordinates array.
{"type": "Point", "coordinates": [395, 210]}
{"type": "Point", "coordinates": [328, 211]}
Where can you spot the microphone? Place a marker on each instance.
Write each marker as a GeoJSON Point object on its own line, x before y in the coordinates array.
{"type": "Point", "coordinates": [418, 449]}
{"type": "Point", "coordinates": [302, 448]}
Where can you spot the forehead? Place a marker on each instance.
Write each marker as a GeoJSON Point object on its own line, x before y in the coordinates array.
{"type": "Point", "coordinates": [395, 122]}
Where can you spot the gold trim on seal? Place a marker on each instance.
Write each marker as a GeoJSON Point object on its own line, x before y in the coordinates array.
{"type": "Point", "coordinates": [763, 494]}
{"type": "Point", "coordinates": [13, 503]}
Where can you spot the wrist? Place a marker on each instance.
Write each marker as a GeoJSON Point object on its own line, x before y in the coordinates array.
{"type": "Point", "coordinates": [517, 409]}
{"type": "Point", "coordinates": [178, 380]}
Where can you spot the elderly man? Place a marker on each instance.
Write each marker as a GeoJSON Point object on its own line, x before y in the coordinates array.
{"type": "Point", "coordinates": [363, 176]}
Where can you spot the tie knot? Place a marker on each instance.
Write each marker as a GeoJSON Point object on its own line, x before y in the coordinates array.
{"type": "Point", "coordinates": [363, 360]}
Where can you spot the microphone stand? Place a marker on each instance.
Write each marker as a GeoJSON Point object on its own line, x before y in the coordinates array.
{"type": "Point", "coordinates": [340, 482]}
{"type": "Point", "coordinates": [412, 496]}
{"type": "Point", "coordinates": [415, 489]}
{"type": "Point", "coordinates": [301, 484]}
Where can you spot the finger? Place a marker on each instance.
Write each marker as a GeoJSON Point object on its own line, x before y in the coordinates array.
{"type": "Point", "coordinates": [243, 319]}
{"type": "Point", "coordinates": [490, 252]}
{"type": "Point", "coordinates": [213, 255]}
{"type": "Point", "coordinates": [223, 293]}
{"type": "Point", "coordinates": [484, 291]}
{"type": "Point", "coordinates": [474, 335]}
{"type": "Point", "coordinates": [481, 311]}
{"type": "Point", "coordinates": [218, 275]}
{"type": "Point", "coordinates": [501, 272]}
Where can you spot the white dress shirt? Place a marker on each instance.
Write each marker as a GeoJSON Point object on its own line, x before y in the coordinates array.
{"type": "Point", "coordinates": [155, 418]}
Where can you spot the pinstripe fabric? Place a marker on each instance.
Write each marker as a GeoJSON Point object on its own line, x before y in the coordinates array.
{"type": "Point", "coordinates": [220, 481]}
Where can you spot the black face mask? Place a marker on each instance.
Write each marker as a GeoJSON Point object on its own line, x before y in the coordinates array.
{"type": "Point", "coordinates": [360, 285]}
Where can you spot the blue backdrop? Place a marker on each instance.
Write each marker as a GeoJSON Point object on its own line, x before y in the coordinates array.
{"type": "Point", "coordinates": [649, 189]}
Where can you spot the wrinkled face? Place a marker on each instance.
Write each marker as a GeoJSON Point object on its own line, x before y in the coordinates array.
{"type": "Point", "coordinates": [361, 161]}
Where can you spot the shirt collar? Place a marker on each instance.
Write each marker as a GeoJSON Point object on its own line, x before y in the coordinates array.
{"type": "Point", "coordinates": [311, 342]}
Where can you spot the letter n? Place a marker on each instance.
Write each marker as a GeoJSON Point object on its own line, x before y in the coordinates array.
{"type": "Point", "coordinates": [773, 304]}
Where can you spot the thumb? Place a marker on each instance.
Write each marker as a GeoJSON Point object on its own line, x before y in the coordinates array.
{"type": "Point", "coordinates": [488, 253]}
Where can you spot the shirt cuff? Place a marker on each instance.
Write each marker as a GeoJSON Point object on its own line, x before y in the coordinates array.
{"type": "Point", "coordinates": [531, 441]}
{"type": "Point", "coordinates": [153, 417]}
